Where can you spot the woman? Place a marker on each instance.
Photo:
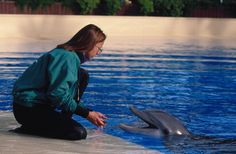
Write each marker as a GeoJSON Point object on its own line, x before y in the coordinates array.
{"type": "Point", "coordinates": [56, 81]}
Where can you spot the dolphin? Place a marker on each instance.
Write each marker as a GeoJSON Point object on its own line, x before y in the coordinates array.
{"type": "Point", "coordinates": [160, 123]}
{"type": "Point", "coordinates": [176, 136]}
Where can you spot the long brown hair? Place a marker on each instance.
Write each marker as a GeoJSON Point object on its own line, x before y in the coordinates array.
{"type": "Point", "coordinates": [85, 39]}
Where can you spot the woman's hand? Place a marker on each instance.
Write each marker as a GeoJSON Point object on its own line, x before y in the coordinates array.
{"type": "Point", "coordinates": [97, 118]}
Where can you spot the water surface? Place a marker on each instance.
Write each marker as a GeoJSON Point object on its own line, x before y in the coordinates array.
{"type": "Point", "coordinates": [195, 84]}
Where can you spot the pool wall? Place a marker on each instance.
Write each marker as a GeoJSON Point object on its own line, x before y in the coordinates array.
{"type": "Point", "coordinates": [43, 32]}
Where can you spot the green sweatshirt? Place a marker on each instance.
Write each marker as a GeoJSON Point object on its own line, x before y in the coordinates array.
{"type": "Point", "coordinates": [53, 80]}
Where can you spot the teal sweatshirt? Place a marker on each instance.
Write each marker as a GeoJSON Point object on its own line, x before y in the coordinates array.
{"type": "Point", "coordinates": [53, 80]}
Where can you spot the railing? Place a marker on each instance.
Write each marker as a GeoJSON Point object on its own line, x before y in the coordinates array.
{"type": "Point", "coordinates": [216, 12]}
{"type": "Point", "coordinates": [10, 7]}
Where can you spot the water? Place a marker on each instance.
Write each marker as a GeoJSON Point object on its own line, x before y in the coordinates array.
{"type": "Point", "coordinates": [195, 84]}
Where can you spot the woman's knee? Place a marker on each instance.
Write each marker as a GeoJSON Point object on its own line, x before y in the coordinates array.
{"type": "Point", "coordinates": [78, 133]}
{"type": "Point", "coordinates": [82, 132]}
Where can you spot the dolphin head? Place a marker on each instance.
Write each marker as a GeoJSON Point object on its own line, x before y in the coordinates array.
{"type": "Point", "coordinates": [159, 123]}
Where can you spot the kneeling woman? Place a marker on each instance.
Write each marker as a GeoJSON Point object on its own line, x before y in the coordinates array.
{"type": "Point", "coordinates": [56, 81]}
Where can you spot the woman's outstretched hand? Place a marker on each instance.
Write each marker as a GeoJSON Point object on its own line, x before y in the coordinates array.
{"type": "Point", "coordinates": [97, 118]}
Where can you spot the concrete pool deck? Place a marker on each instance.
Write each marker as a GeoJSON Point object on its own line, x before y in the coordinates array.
{"type": "Point", "coordinates": [95, 143]}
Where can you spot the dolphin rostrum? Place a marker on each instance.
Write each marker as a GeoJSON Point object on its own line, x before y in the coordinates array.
{"type": "Point", "coordinates": [159, 123]}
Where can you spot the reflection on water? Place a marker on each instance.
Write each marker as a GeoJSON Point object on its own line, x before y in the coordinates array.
{"type": "Point", "coordinates": [197, 86]}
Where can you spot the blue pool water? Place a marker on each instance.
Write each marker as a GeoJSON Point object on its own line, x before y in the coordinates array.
{"type": "Point", "coordinates": [195, 84]}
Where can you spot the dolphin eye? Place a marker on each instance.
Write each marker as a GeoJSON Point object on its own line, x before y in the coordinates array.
{"type": "Point", "coordinates": [179, 132]}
